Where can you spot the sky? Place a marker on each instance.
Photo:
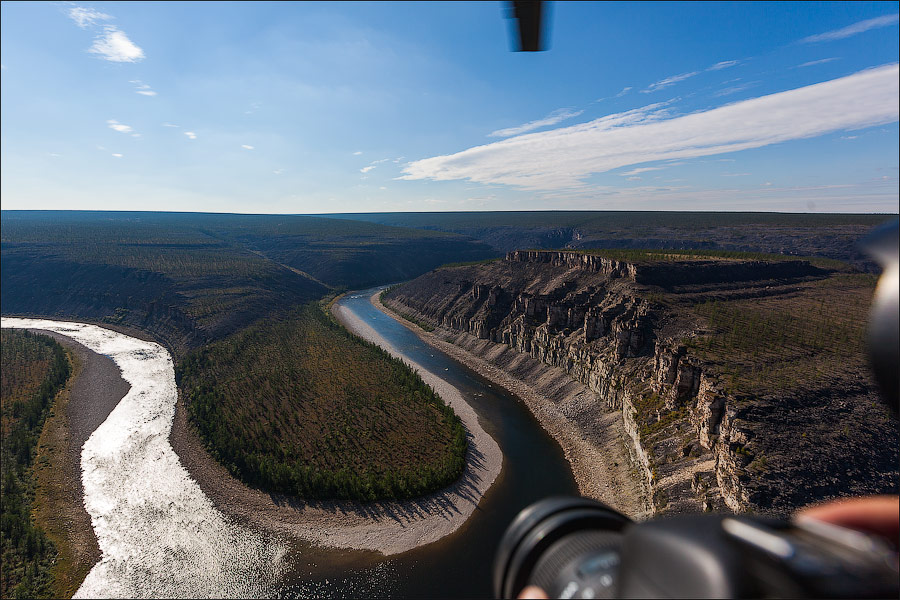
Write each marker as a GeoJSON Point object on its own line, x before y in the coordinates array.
{"type": "Point", "coordinates": [366, 107]}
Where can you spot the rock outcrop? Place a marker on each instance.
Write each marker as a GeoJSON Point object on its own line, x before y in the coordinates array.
{"type": "Point", "coordinates": [696, 445]}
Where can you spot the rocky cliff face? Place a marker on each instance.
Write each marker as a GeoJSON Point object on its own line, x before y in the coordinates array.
{"type": "Point", "coordinates": [609, 325]}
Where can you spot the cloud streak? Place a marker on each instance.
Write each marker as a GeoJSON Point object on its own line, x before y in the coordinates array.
{"type": "Point", "coordinates": [821, 61]}
{"type": "Point", "coordinates": [86, 17]}
{"type": "Point", "coordinates": [142, 88]}
{"type": "Point", "coordinates": [735, 89]}
{"type": "Point", "coordinates": [553, 118]}
{"type": "Point", "coordinates": [564, 157]}
{"type": "Point", "coordinates": [860, 27]}
{"type": "Point", "coordinates": [642, 170]}
{"type": "Point", "coordinates": [722, 65]}
{"type": "Point", "coordinates": [120, 127]}
{"type": "Point", "coordinates": [668, 82]}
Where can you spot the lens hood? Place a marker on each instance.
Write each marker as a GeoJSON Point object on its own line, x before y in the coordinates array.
{"type": "Point", "coordinates": [539, 526]}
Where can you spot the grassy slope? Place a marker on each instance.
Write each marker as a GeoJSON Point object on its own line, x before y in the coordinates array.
{"type": "Point", "coordinates": [34, 369]}
{"type": "Point", "coordinates": [806, 339]}
{"type": "Point", "coordinates": [359, 423]}
{"type": "Point", "coordinates": [347, 254]}
{"type": "Point", "coordinates": [156, 273]}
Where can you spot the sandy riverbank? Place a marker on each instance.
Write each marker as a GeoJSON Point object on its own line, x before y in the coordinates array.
{"type": "Point", "coordinates": [601, 465]}
{"type": "Point", "coordinates": [385, 527]}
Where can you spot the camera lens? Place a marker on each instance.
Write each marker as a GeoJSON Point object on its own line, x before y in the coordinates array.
{"type": "Point", "coordinates": [567, 546]}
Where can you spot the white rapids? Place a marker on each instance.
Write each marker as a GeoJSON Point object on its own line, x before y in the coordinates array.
{"type": "Point", "coordinates": [159, 535]}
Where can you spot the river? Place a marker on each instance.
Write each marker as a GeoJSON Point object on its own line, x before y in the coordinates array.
{"type": "Point", "coordinates": [534, 467]}
{"type": "Point", "coordinates": [161, 536]}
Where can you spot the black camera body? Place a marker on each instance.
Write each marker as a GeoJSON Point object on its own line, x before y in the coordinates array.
{"type": "Point", "coordinates": [579, 548]}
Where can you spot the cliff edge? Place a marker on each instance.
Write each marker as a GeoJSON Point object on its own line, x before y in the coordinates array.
{"type": "Point", "coordinates": [733, 383]}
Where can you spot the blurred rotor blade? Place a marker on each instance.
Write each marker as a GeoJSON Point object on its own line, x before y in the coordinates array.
{"type": "Point", "coordinates": [530, 17]}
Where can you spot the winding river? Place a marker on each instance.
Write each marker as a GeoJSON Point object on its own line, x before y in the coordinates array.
{"type": "Point", "coordinates": [161, 536]}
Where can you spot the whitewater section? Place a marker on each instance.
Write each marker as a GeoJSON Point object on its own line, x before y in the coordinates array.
{"type": "Point", "coordinates": [159, 535]}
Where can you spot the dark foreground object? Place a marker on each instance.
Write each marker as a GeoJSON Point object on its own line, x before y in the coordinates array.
{"type": "Point", "coordinates": [575, 547]}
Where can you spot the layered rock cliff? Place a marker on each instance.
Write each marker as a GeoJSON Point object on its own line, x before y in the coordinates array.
{"type": "Point", "coordinates": [624, 331]}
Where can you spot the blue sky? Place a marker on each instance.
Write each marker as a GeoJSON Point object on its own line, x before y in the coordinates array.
{"type": "Point", "coordinates": [362, 107]}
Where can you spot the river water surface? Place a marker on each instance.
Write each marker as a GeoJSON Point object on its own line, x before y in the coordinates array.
{"type": "Point", "coordinates": [161, 536]}
{"type": "Point", "coordinates": [533, 467]}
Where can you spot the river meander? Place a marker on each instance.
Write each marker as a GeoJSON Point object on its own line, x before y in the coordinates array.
{"type": "Point", "coordinates": [533, 467]}
{"type": "Point", "coordinates": [161, 536]}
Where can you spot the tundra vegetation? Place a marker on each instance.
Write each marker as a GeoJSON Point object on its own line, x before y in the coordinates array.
{"type": "Point", "coordinates": [807, 339]}
{"type": "Point", "coordinates": [799, 234]}
{"type": "Point", "coordinates": [35, 368]}
{"type": "Point", "coordinates": [280, 394]}
{"type": "Point", "coordinates": [331, 416]}
{"type": "Point", "coordinates": [290, 402]}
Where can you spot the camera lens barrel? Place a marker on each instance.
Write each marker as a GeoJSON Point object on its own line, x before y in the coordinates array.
{"type": "Point", "coordinates": [554, 530]}
{"type": "Point", "coordinates": [581, 565]}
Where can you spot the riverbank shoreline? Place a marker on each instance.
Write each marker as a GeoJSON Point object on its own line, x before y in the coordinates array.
{"type": "Point", "coordinates": [94, 389]}
{"type": "Point", "coordinates": [389, 527]}
{"type": "Point", "coordinates": [603, 471]}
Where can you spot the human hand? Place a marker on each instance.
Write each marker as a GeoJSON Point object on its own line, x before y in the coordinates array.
{"type": "Point", "coordinates": [878, 515]}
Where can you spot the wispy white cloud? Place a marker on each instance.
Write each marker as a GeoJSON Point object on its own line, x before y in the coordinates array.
{"type": "Point", "coordinates": [860, 27]}
{"type": "Point", "coordinates": [120, 127]}
{"type": "Point", "coordinates": [735, 174]}
{"type": "Point", "coordinates": [668, 82]}
{"type": "Point", "coordinates": [117, 155]}
{"type": "Point", "coordinates": [170, 125]}
{"type": "Point", "coordinates": [357, 153]}
{"type": "Point", "coordinates": [552, 119]}
{"type": "Point", "coordinates": [564, 157]}
{"type": "Point", "coordinates": [113, 45]}
{"type": "Point", "coordinates": [247, 147]}
{"type": "Point", "coordinates": [821, 61]}
{"type": "Point", "coordinates": [722, 65]}
{"type": "Point", "coordinates": [735, 89]}
{"type": "Point", "coordinates": [142, 88]}
{"type": "Point", "coordinates": [191, 135]}
{"type": "Point", "coordinates": [634, 179]}
{"type": "Point", "coordinates": [86, 17]}
{"type": "Point", "coordinates": [624, 91]}
{"type": "Point", "coordinates": [278, 171]}
{"type": "Point", "coordinates": [642, 170]}
{"type": "Point", "coordinates": [374, 164]}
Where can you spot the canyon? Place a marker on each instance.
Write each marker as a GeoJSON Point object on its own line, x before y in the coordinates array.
{"type": "Point", "coordinates": [733, 383]}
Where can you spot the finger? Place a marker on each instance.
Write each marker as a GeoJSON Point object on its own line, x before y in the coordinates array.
{"type": "Point", "coordinates": [874, 514]}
